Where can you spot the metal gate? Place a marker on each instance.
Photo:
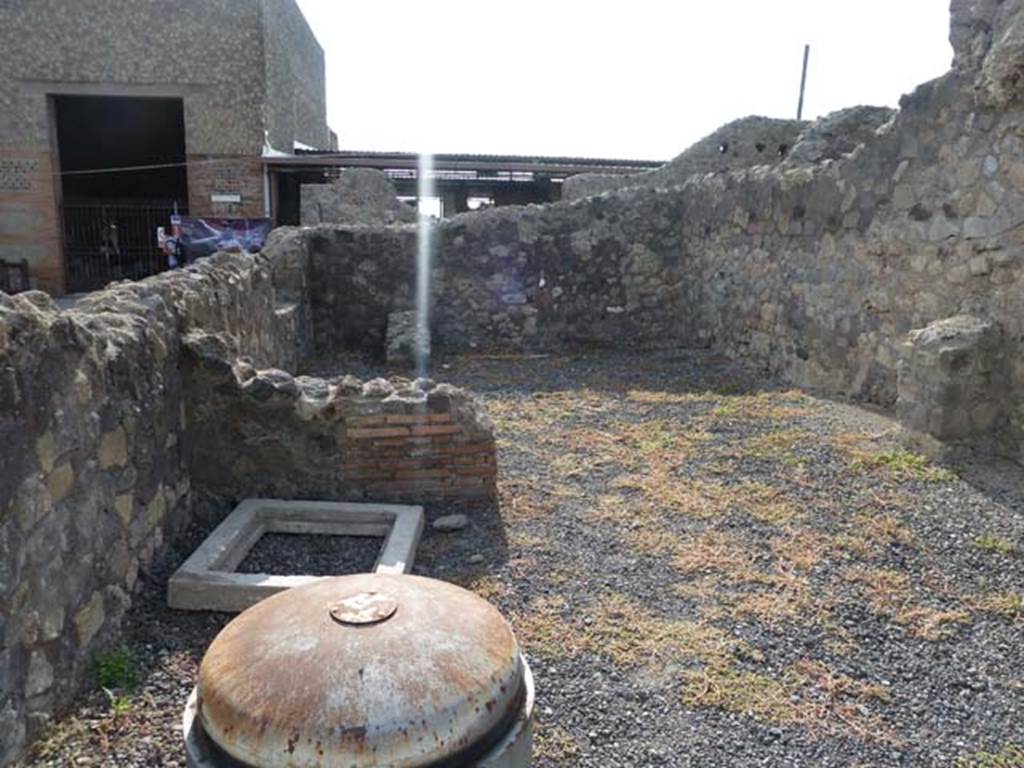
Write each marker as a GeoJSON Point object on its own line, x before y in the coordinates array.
{"type": "Point", "coordinates": [113, 240]}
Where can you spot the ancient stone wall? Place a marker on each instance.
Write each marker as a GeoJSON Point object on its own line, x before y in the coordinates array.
{"type": "Point", "coordinates": [119, 417]}
{"type": "Point", "coordinates": [356, 196]}
{"type": "Point", "coordinates": [742, 143]}
{"type": "Point", "coordinates": [95, 434]}
{"type": "Point", "coordinates": [814, 270]}
{"type": "Point", "coordinates": [116, 415]}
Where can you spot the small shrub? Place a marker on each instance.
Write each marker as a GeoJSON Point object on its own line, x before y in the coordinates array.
{"type": "Point", "coordinates": [116, 669]}
{"type": "Point", "coordinates": [119, 705]}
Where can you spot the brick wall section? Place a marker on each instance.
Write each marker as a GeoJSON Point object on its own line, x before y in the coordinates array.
{"type": "Point", "coordinates": [29, 224]}
{"type": "Point", "coordinates": [424, 454]}
{"type": "Point", "coordinates": [225, 175]}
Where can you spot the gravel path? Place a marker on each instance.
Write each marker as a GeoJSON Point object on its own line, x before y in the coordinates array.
{"type": "Point", "coordinates": [304, 554]}
{"type": "Point", "coordinates": [705, 570]}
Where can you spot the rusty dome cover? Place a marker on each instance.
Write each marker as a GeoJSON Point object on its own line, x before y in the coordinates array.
{"type": "Point", "coordinates": [363, 670]}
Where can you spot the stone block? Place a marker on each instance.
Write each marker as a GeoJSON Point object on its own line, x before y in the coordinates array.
{"type": "Point", "coordinates": [60, 482]}
{"type": "Point", "coordinates": [89, 619]}
{"type": "Point", "coordinates": [32, 502]}
{"type": "Point", "coordinates": [357, 196]}
{"type": "Point", "coordinates": [40, 674]}
{"type": "Point", "coordinates": [113, 449]}
{"type": "Point", "coordinates": [953, 379]}
{"type": "Point", "coordinates": [124, 505]}
{"type": "Point", "coordinates": [47, 451]}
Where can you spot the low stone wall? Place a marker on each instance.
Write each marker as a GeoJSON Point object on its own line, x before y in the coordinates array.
{"type": "Point", "coordinates": [96, 470]}
{"type": "Point", "coordinates": [266, 433]}
{"type": "Point", "coordinates": [93, 476]}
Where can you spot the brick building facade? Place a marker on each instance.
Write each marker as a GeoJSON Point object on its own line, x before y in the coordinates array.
{"type": "Point", "coordinates": [240, 75]}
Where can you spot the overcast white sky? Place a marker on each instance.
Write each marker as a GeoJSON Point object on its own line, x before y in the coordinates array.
{"type": "Point", "coordinates": [626, 78]}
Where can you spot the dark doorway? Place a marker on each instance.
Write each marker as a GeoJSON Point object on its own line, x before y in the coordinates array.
{"type": "Point", "coordinates": [122, 162]}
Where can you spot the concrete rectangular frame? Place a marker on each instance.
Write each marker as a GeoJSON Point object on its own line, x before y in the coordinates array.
{"type": "Point", "coordinates": [207, 581]}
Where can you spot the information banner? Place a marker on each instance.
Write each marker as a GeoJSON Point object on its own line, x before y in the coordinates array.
{"type": "Point", "coordinates": [202, 236]}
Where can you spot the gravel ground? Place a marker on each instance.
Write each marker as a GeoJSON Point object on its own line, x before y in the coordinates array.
{"type": "Point", "coordinates": [284, 554]}
{"type": "Point", "coordinates": [704, 569]}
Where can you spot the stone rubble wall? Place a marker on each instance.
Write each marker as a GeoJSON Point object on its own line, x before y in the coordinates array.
{"type": "Point", "coordinates": [357, 196]}
{"type": "Point", "coordinates": [748, 143]}
{"type": "Point", "coordinates": [742, 143]}
{"type": "Point", "coordinates": [268, 434]}
{"type": "Point", "coordinates": [96, 444]}
{"type": "Point", "coordinates": [146, 401]}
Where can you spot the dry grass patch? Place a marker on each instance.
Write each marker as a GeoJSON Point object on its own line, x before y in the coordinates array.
{"type": "Point", "coordinates": [519, 502]}
{"type": "Point", "coordinates": [703, 500]}
{"type": "Point", "coordinates": [663, 492]}
{"type": "Point", "coordinates": [520, 540]}
{"type": "Point", "coordinates": [632, 636]}
{"type": "Point", "coordinates": [488, 587]}
{"type": "Point", "coordinates": [713, 551]}
{"type": "Point", "coordinates": [778, 445]}
{"type": "Point", "coordinates": [653, 541]}
{"type": "Point", "coordinates": [565, 574]}
{"type": "Point", "coordinates": [554, 743]}
{"type": "Point", "coordinates": [885, 589]}
{"type": "Point", "coordinates": [616, 508]}
{"type": "Point", "coordinates": [900, 464]}
{"type": "Point", "coordinates": [544, 629]}
{"type": "Point", "coordinates": [1007, 605]}
{"type": "Point", "coordinates": [800, 550]}
{"type": "Point", "coordinates": [770, 599]}
{"type": "Point", "coordinates": [808, 694]}
{"type": "Point", "coordinates": [774, 407]}
{"type": "Point", "coordinates": [870, 534]}
{"type": "Point", "coordinates": [665, 441]}
{"type": "Point", "coordinates": [761, 502]}
{"type": "Point", "coordinates": [660, 397]}
{"type": "Point", "coordinates": [889, 593]}
{"type": "Point", "coordinates": [932, 624]}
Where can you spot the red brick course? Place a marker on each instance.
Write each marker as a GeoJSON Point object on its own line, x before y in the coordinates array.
{"type": "Point", "coordinates": [421, 455]}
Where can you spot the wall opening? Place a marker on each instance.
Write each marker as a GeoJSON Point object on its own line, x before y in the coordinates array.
{"type": "Point", "coordinates": [122, 164]}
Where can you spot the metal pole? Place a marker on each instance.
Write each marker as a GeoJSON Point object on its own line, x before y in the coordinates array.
{"type": "Point", "coordinates": [803, 84]}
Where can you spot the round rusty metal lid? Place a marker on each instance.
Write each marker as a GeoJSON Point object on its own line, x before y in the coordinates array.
{"type": "Point", "coordinates": [363, 670]}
